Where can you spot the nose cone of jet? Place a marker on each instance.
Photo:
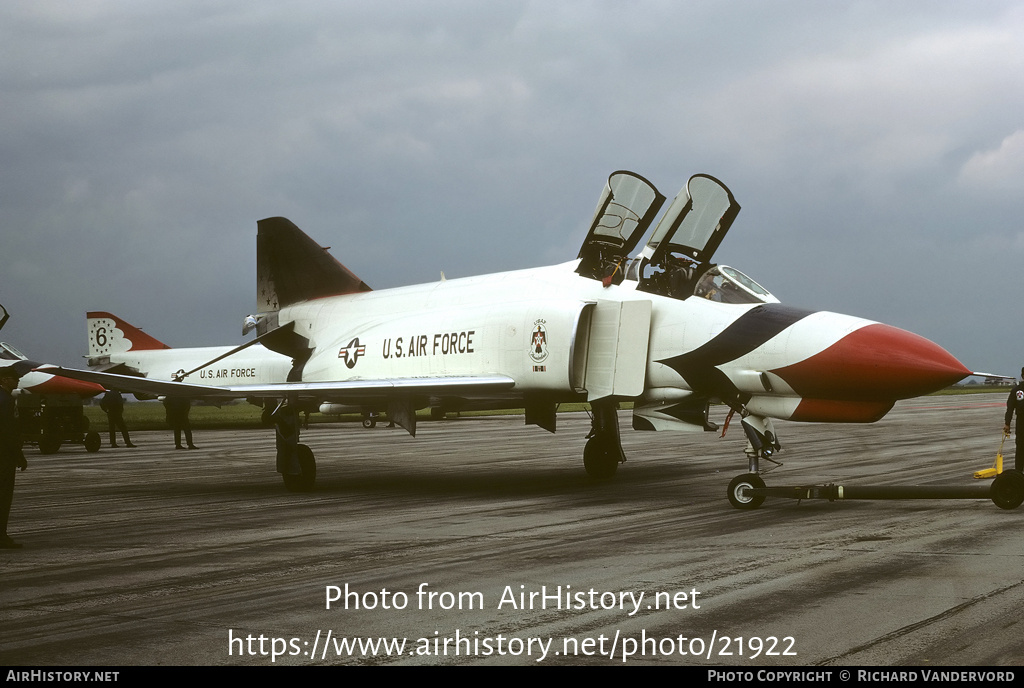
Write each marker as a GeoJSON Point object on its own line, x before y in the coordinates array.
{"type": "Point", "coordinates": [875, 362]}
{"type": "Point", "coordinates": [41, 383]}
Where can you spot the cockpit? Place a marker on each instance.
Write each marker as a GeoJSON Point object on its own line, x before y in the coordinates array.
{"type": "Point", "coordinates": [676, 262]}
{"type": "Point", "coordinates": [728, 285]}
{"type": "Point", "coordinates": [9, 353]}
{"type": "Point", "coordinates": [684, 278]}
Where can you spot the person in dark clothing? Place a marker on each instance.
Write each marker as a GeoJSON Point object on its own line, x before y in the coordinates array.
{"type": "Point", "coordinates": [113, 405]}
{"type": "Point", "coordinates": [11, 456]}
{"type": "Point", "coordinates": [177, 417]}
{"type": "Point", "coordinates": [1015, 403]}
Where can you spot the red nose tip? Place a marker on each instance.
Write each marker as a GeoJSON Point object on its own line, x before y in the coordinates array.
{"type": "Point", "coordinates": [875, 362]}
{"type": "Point", "coordinates": [63, 385]}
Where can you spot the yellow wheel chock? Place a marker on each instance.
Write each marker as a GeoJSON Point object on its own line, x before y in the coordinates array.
{"type": "Point", "coordinates": [997, 467]}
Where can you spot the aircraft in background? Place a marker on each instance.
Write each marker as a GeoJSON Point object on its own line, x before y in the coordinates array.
{"type": "Point", "coordinates": [116, 346]}
{"type": "Point", "coordinates": [49, 407]}
{"type": "Point", "coordinates": [668, 330]}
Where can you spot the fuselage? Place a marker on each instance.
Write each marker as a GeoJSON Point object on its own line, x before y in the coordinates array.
{"type": "Point", "coordinates": [539, 327]}
{"type": "Point", "coordinates": [255, 365]}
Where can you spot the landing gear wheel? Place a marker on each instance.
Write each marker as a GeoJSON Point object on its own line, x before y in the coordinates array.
{"type": "Point", "coordinates": [1008, 489]}
{"type": "Point", "coordinates": [307, 465]}
{"type": "Point", "coordinates": [600, 459]}
{"type": "Point", "coordinates": [92, 442]}
{"type": "Point", "coordinates": [738, 495]}
{"type": "Point", "coordinates": [369, 423]}
{"type": "Point", "coordinates": [49, 443]}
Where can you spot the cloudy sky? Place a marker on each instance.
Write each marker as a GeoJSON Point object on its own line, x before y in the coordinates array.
{"type": "Point", "coordinates": [877, 149]}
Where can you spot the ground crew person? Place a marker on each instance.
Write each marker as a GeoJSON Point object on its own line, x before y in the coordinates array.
{"type": "Point", "coordinates": [11, 456]}
{"type": "Point", "coordinates": [113, 405]}
{"type": "Point", "coordinates": [1015, 402]}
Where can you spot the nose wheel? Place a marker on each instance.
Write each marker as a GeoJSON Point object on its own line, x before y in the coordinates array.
{"type": "Point", "coordinates": [739, 495]}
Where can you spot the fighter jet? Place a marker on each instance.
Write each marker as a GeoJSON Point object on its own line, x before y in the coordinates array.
{"type": "Point", "coordinates": [49, 406]}
{"type": "Point", "coordinates": [116, 346]}
{"type": "Point", "coordinates": [668, 330]}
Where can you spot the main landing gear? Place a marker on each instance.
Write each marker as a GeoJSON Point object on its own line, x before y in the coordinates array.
{"type": "Point", "coordinates": [603, 452]}
{"type": "Point", "coordinates": [295, 462]}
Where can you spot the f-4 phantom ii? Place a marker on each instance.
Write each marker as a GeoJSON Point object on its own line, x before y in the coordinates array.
{"type": "Point", "coordinates": [49, 407]}
{"type": "Point", "coordinates": [666, 329]}
{"type": "Point", "coordinates": [116, 346]}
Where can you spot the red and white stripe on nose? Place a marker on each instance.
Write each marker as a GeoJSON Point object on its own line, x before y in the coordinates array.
{"type": "Point", "coordinates": [44, 384]}
{"type": "Point", "coordinates": [875, 362]}
{"type": "Point", "coordinates": [846, 369]}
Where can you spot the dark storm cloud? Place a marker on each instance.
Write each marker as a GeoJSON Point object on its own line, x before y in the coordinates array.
{"type": "Point", "coordinates": [875, 147]}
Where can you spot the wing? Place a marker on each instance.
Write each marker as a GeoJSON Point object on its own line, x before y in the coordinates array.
{"type": "Point", "coordinates": [347, 391]}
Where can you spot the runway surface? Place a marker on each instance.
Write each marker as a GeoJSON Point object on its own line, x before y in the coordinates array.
{"type": "Point", "coordinates": [155, 556]}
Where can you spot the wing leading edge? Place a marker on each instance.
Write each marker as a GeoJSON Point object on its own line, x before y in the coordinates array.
{"type": "Point", "coordinates": [352, 391]}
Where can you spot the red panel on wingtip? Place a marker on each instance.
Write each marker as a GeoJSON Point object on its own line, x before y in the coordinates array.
{"type": "Point", "coordinates": [875, 362]}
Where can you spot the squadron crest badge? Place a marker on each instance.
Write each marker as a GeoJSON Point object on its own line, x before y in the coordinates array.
{"type": "Point", "coordinates": [539, 342]}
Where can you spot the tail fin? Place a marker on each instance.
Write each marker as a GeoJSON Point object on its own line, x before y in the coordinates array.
{"type": "Point", "coordinates": [291, 267]}
{"type": "Point", "coordinates": [109, 334]}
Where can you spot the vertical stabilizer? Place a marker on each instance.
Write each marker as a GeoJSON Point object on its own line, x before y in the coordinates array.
{"type": "Point", "coordinates": [291, 267]}
{"type": "Point", "coordinates": [109, 334]}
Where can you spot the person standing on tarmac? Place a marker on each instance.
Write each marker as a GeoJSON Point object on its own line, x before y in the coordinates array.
{"type": "Point", "coordinates": [113, 405]}
{"type": "Point", "coordinates": [11, 456]}
{"type": "Point", "coordinates": [177, 417]}
{"type": "Point", "coordinates": [1015, 402]}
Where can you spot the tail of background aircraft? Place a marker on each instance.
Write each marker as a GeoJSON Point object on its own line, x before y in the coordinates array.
{"type": "Point", "coordinates": [291, 267]}
{"type": "Point", "coordinates": [109, 334]}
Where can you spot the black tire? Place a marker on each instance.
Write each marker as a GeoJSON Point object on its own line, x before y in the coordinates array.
{"type": "Point", "coordinates": [92, 442]}
{"type": "Point", "coordinates": [437, 413]}
{"type": "Point", "coordinates": [738, 487]}
{"type": "Point", "coordinates": [599, 459]}
{"type": "Point", "coordinates": [1007, 490]}
{"type": "Point", "coordinates": [49, 443]}
{"type": "Point", "coordinates": [307, 478]}
{"type": "Point", "coordinates": [369, 423]}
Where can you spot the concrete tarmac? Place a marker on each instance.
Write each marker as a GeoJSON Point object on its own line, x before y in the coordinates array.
{"type": "Point", "coordinates": [154, 556]}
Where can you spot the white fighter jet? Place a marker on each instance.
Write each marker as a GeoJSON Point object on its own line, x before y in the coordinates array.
{"type": "Point", "coordinates": [49, 407]}
{"type": "Point", "coordinates": [667, 330]}
{"type": "Point", "coordinates": [116, 346]}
